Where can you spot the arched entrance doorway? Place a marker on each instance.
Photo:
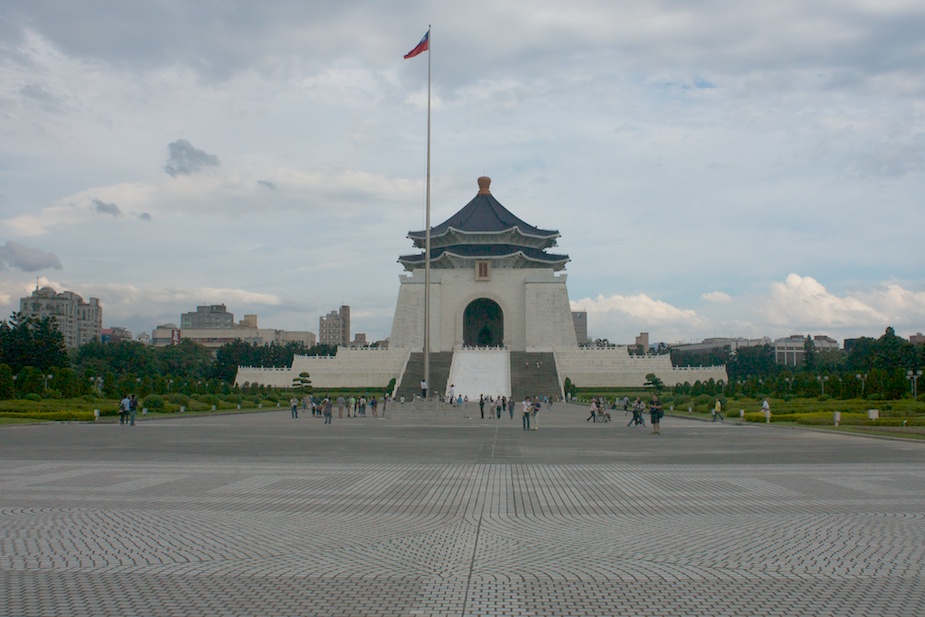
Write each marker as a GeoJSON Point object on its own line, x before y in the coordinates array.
{"type": "Point", "coordinates": [483, 324]}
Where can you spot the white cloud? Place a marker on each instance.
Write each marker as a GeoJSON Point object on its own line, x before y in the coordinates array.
{"type": "Point", "coordinates": [801, 302]}
{"type": "Point", "coordinates": [716, 296]}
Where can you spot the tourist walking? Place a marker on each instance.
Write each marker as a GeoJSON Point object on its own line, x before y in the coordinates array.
{"type": "Point", "coordinates": [341, 403]}
{"type": "Point", "coordinates": [373, 406]}
{"type": "Point", "coordinates": [482, 405]}
{"type": "Point", "coordinates": [327, 409]}
{"type": "Point", "coordinates": [510, 407]}
{"type": "Point", "coordinates": [294, 406]}
{"type": "Point", "coordinates": [593, 415]}
{"type": "Point", "coordinates": [527, 411]}
{"type": "Point", "coordinates": [718, 411]}
{"type": "Point", "coordinates": [536, 410]}
{"type": "Point", "coordinates": [638, 408]}
{"type": "Point", "coordinates": [133, 409]}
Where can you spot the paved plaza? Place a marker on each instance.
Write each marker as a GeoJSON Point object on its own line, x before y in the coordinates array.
{"type": "Point", "coordinates": [451, 515]}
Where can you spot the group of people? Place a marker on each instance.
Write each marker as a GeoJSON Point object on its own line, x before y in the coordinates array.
{"type": "Point", "coordinates": [599, 412]}
{"type": "Point", "coordinates": [531, 407]}
{"type": "Point", "coordinates": [324, 407]}
{"type": "Point", "coordinates": [128, 408]}
{"type": "Point", "coordinates": [496, 406]}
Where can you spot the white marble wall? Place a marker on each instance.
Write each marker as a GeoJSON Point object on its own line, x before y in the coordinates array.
{"type": "Point", "coordinates": [537, 314]}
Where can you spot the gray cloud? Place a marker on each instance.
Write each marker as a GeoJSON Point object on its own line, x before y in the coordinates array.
{"type": "Point", "coordinates": [105, 208]}
{"type": "Point", "coordinates": [184, 160]}
{"type": "Point", "coordinates": [42, 97]}
{"type": "Point", "coordinates": [267, 184]}
{"type": "Point", "coordinates": [144, 216]}
{"type": "Point", "coordinates": [16, 255]}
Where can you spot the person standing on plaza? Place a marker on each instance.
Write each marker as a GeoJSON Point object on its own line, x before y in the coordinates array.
{"type": "Point", "coordinates": [341, 403]}
{"type": "Point", "coordinates": [133, 409]}
{"type": "Point", "coordinates": [655, 415]}
{"type": "Point", "coordinates": [510, 407]}
{"type": "Point", "coordinates": [327, 409]}
{"type": "Point", "coordinates": [451, 395]}
{"type": "Point", "coordinates": [423, 389]}
{"type": "Point", "coordinates": [374, 406]}
{"type": "Point", "coordinates": [498, 408]}
{"type": "Point", "coordinates": [626, 404]}
{"type": "Point", "coordinates": [124, 407]}
{"type": "Point", "coordinates": [534, 413]}
{"type": "Point", "coordinates": [718, 411]}
{"type": "Point", "coordinates": [527, 411]}
{"type": "Point", "coordinates": [294, 405]}
{"type": "Point", "coordinates": [482, 405]}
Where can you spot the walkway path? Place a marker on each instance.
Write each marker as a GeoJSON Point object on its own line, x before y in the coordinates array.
{"type": "Point", "coordinates": [260, 514]}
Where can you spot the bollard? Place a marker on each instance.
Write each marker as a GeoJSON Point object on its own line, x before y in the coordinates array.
{"type": "Point", "coordinates": [690, 410]}
{"type": "Point", "coordinates": [96, 415]}
{"type": "Point", "coordinates": [239, 407]}
{"type": "Point", "coordinates": [260, 406]}
{"type": "Point", "coordinates": [144, 411]}
{"type": "Point", "coordinates": [213, 407]}
{"type": "Point", "coordinates": [837, 417]}
{"type": "Point", "coordinates": [182, 409]}
{"type": "Point", "coordinates": [742, 413]}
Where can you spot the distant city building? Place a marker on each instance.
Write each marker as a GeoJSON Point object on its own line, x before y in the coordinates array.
{"type": "Point", "coordinates": [580, 319]}
{"type": "Point", "coordinates": [115, 334]}
{"type": "Point", "coordinates": [211, 316]}
{"type": "Point", "coordinates": [78, 321]}
{"type": "Point", "coordinates": [213, 338]}
{"type": "Point", "coordinates": [917, 339]}
{"type": "Point", "coordinates": [359, 340]}
{"type": "Point", "coordinates": [642, 341]}
{"type": "Point", "coordinates": [709, 344]}
{"type": "Point", "coordinates": [334, 328]}
{"type": "Point", "coordinates": [791, 351]}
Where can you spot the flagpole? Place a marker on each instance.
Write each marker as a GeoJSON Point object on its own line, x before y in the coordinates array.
{"type": "Point", "coordinates": [427, 232]}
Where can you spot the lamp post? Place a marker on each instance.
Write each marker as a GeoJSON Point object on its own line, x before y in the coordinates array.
{"type": "Point", "coordinates": [862, 378]}
{"type": "Point", "coordinates": [47, 377]}
{"type": "Point", "coordinates": [913, 376]}
{"type": "Point", "coordinates": [789, 381]}
{"type": "Point", "coordinates": [822, 379]}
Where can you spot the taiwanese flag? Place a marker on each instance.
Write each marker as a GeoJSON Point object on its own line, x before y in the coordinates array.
{"type": "Point", "coordinates": [423, 46]}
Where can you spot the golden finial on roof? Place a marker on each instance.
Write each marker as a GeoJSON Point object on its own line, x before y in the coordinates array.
{"type": "Point", "coordinates": [484, 183]}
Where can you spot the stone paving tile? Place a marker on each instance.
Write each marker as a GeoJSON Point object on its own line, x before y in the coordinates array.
{"type": "Point", "coordinates": [232, 534]}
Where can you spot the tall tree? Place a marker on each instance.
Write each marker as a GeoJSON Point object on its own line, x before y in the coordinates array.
{"type": "Point", "coordinates": [27, 341]}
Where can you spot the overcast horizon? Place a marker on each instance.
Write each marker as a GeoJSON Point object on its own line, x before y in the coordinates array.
{"type": "Point", "coordinates": [714, 168]}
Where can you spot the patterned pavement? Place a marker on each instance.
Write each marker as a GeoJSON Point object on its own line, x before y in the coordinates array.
{"type": "Point", "coordinates": [260, 514]}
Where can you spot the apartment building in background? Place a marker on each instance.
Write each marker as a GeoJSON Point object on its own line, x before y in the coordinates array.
{"type": "Point", "coordinates": [334, 328]}
{"type": "Point", "coordinates": [78, 321]}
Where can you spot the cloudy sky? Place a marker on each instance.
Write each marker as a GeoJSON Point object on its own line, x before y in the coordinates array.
{"type": "Point", "coordinates": [715, 168]}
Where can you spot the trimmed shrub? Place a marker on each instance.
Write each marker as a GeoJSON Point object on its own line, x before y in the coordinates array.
{"type": "Point", "coordinates": [179, 399]}
{"type": "Point", "coordinates": [154, 402]}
